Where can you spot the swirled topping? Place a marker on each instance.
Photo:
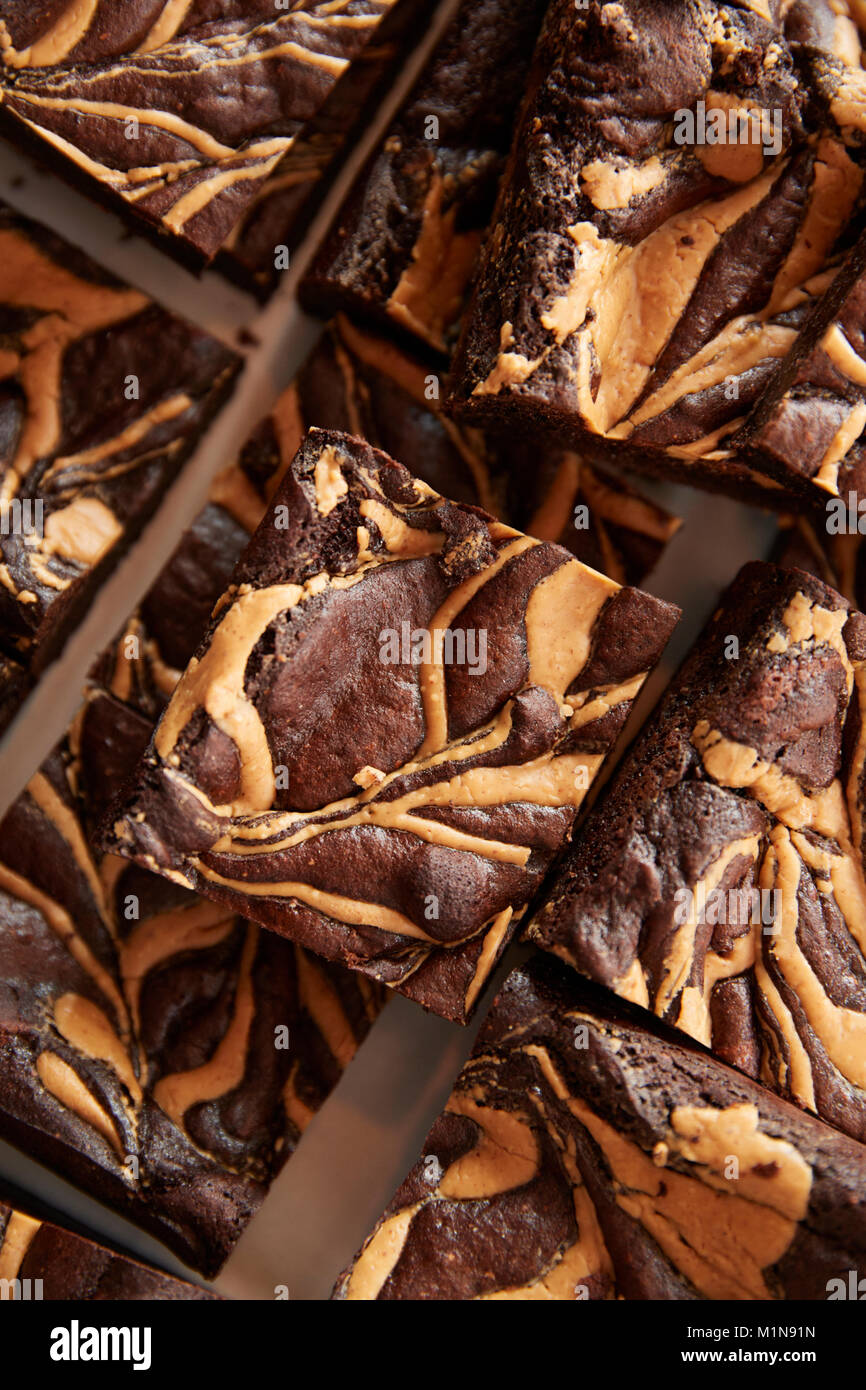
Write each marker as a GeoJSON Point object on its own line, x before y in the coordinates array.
{"type": "Point", "coordinates": [721, 884]}
{"type": "Point", "coordinates": [494, 672]}
{"type": "Point", "coordinates": [582, 1156]}
{"type": "Point", "coordinates": [166, 1052]}
{"type": "Point", "coordinates": [664, 231]}
{"type": "Point", "coordinates": [152, 100]}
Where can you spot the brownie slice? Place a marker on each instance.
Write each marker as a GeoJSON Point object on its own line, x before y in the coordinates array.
{"type": "Point", "coordinates": [174, 115]}
{"type": "Point", "coordinates": [587, 1154]}
{"type": "Point", "coordinates": [279, 216]}
{"type": "Point", "coordinates": [356, 381]}
{"type": "Point", "coordinates": [103, 396]}
{"type": "Point", "coordinates": [720, 883]}
{"type": "Point", "coordinates": [642, 282]}
{"type": "Point", "coordinates": [159, 1051]}
{"type": "Point", "coordinates": [402, 248]}
{"type": "Point", "coordinates": [390, 724]}
{"type": "Point", "coordinates": [42, 1261]}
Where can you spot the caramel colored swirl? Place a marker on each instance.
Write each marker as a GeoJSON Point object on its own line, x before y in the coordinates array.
{"type": "Point", "coordinates": [96, 425]}
{"type": "Point", "coordinates": [155, 1022]}
{"type": "Point", "coordinates": [159, 117]}
{"type": "Point", "coordinates": [653, 297]}
{"type": "Point", "coordinates": [479, 742]}
{"type": "Point", "coordinates": [582, 1156]}
{"type": "Point", "coordinates": [740, 912]}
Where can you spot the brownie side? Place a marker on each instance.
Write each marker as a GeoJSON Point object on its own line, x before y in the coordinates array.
{"type": "Point", "coordinates": [402, 248]}
{"type": "Point", "coordinates": [585, 1153]}
{"type": "Point", "coordinates": [405, 844]}
{"type": "Point", "coordinates": [720, 881]}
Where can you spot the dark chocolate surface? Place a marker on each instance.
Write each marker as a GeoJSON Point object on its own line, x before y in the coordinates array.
{"type": "Point", "coordinates": [406, 843]}
{"type": "Point", "coordinates": [720, 882]}
{"type": "Point", "coordinates": [585, 1155]}
{"type": "Point", "coordinates": [103, 397]}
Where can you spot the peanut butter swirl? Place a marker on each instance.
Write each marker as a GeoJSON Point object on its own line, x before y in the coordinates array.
{"type": "Point", "coordinates": [404, 245]}
{"type": "Point", "coordinates": [494, 672]}
{"type": "Point", "coordinates": [585, 1156]}
{"type": "Point", "coordinates": [356, 380]}
{"type": "Point", "coordinates": [164, 1052]}
{"type": "Point", "coordinates": [721, 884]}
{"type": "Point", "coordinates": [153, 104]}
{"type": "Point", "coordinates": [95, 424]}
{"type": "Point", "coordinates": [664, 246]}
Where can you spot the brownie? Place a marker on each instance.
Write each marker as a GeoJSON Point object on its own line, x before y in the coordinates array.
{"type": "Point", "coordinates": [720, 882]}
{"type": "Point", "coordinates": [103, 396]}
{"type": "Point", "coordinates": [389, 725]}
{"type": "Point", "coordinates": [175, 115]}
{"type": "Point", "coordinates": [42, 1261]}
{"type": "Point", "coordinates": [159, 1051]}
{"type": "Point", "coordinates": [839, 560]}
{"type": "Point", "coordinates": [642, 282]}
{"type": "Point", "coordinates": [585, 1153]}
{"type": "Point", "coordinates": [402, 247]}
{"type": "Point", "coordinates": [811, 416]}
{"type": "Point", "coordinates": [278, 217]}
{"type": "Point", "coordinates": [356, 381]}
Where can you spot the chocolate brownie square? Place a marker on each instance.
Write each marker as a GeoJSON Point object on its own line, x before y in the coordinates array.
{"type": "Point", "coordinates": [159, 1051]}
{"type": "Point", "coordinates": [174, 115]}
{"type": "Point", "coordinates": [681, 176]}
{"type": "Point", "coordinates": [586, 1153]}
{"type": "Point", "coordinates": [720, 882]}
{"type": "Point", "coordinates": [390, 724]}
